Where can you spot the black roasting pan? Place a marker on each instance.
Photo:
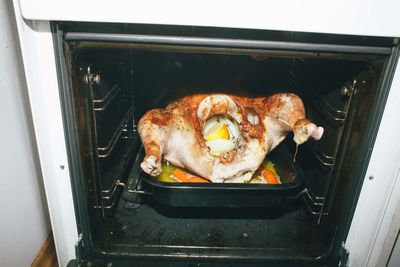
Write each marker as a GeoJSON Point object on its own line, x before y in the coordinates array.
{"type": "Point", "coordinates": [228, 194]}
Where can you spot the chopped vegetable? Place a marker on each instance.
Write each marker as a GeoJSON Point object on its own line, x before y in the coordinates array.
{"type": "Point", "coordinates": [165, 175]}
{"type": "Point", "coordinates": [270, 177]}
{"type": "Point", "coordinates": [219, 146]}
{"type": "Point", "coordinates": [186, 177]}
{"type": "Point", "coordinates": [266, 173]}
{"type": "Point", "coordinates": [268, 165]}
{"type": "Point", "coordinates": [220, 134]}
{"type": "Point", "coordinates": [261, 176]}
{"type": "Point", "coordinates": [172, 174]}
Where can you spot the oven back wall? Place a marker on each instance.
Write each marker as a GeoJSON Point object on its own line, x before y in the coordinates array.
{"type": "Point", "coordinates": [25, 223]}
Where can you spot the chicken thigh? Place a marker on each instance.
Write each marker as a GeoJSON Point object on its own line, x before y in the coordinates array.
{"type": "Point", "coordinates": [175, 134]}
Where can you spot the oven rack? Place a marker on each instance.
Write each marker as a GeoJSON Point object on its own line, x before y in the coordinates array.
{"type": "Point", "coordinates": [314, 204]}
{"type": "Point", "coordinates": [325, 112]}
{"type": "Point", "coordinates": [111, 193]}
{"type": "Point", "coordinates": [103, 103]}
{"type": "Point", "coordinates": [324, 159]}
{"type": "Point", "coordinates": [110, 103]}
{"type": "Point", "coordinates": [103, 152]}
{"type": "Point", "coordinates": [131, 140]}
{"type": "Point", "coordinates": [337, 119]}
{"type": "Point", "coordinates": [107, 102]}
{"type": "Point", "coordinates": [332, 115]}
{"type": "Point", "coordinates": [118, 184]}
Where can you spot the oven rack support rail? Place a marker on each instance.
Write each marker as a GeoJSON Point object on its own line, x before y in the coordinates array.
{"type": "Point", "coordinates": [118, 184]}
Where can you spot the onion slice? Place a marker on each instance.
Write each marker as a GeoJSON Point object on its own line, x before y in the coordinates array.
{"type": "Point", "coordinates": [219, 146]}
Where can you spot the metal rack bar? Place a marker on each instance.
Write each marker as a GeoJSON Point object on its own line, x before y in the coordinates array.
{"type": "Point", "coordinates": [314, 204]}
{"type": "Point", "coordinates": [120, 168]}
{"type": "Point", "coordinates": [316, 213]}
{"type": "Point", "coordinates": [111, 193]}
{"type": "Point", "coordinates": [123, 185]}
{"type": "Point", "coordinates": [103, 152]}
{"type": "Point", "coordinates": [134, 191]}
{"type": "Point", "coordinates": [102, 104]}
{"type": "Point", "coordinates": [335, 115]}
{"type": "Point", "coordinates": [323, 158]}
{"type": "Point", "coordinates": [317, 201]}
{"type": "Point", "coordinates": [105, 207]}
{"type": "Point", "coordinates": [336, 111]}
{"type": "Point", "coordinates": [118, 183]}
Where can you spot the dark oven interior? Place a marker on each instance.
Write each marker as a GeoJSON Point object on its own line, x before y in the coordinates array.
{"type": "Point", "coordinates": [109, 83]}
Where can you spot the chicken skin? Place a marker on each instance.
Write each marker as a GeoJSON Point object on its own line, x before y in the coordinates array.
{"type": "Point", "coordinates": [175, 134]}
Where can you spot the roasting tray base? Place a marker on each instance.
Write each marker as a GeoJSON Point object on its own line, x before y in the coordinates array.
{"type": "Point", "coordinates": [228, 194]}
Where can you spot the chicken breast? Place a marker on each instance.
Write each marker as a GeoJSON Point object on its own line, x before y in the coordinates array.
{"type": "Point", "coordinates": [175, 134]}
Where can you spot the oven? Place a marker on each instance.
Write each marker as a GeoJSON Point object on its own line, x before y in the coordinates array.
{"type": "Point", "coordinates": [97, 79]}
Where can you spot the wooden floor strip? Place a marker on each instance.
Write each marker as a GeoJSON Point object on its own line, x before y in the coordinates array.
{"type": "Point", "coordinates": [47, 256]}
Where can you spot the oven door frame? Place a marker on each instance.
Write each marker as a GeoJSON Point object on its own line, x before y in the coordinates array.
{"type": "Point", "coordinates": [372, 218]}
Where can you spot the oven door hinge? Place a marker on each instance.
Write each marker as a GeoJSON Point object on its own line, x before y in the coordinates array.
{"type": "Point", "coordinates": [343, 256]}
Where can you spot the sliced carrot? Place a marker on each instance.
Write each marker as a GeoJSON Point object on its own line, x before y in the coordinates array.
{"type": "Point", "coordinates": [187, 177]}
{"type": "Point", "coordinates": [270, 177]}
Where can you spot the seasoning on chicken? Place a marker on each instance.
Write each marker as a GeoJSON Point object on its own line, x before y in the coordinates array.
{"type": "Point", "coordinates": [256, 126]}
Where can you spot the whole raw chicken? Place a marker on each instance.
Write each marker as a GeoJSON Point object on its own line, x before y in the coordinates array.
{"type": "Point", "coordinates": [175, 134]}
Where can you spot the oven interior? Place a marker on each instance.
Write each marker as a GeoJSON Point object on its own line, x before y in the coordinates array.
{"type": "Point", "coordinates": [110, 85]}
